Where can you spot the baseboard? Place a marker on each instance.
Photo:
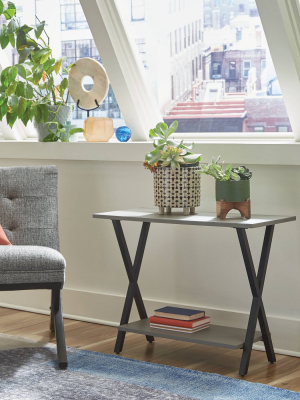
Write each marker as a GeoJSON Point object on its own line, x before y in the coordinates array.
{"type": "Point", "coordinates": [106, 309]}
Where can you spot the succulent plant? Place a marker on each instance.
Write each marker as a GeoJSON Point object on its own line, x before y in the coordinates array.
{"type": "Point", "coordinates": [168, 151]}
{"type": "Point", "coordinates": [217, 171]}
{"type": "Point", "coordinates": [172, 156]}
{"type": "Point", "coordinates": [243, 173]}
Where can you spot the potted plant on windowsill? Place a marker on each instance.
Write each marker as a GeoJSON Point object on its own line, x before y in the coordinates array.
{"type": "Point", "coordinates": [174, 167]}
{"type": "Point", "coordinates": [27, 90]}
{"type": "Point", "coordinates": [232, 187]}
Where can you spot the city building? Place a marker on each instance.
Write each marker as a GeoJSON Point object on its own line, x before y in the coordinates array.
{"type": "Point", "coordinates": [219, 13]}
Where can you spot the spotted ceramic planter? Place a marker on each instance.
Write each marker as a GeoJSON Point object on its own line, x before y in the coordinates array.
{"type": "Point", "coordinates": [178, 189]}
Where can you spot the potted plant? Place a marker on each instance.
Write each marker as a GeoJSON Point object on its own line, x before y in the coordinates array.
{"type": "Point", "coordinates": [29, 89]}
{"type": "Point", "coordinates": [232, 187]}
{"type": "Point", "coordinates": [174, 167]}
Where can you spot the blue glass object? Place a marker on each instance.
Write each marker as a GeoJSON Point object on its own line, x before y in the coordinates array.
{"type": "Point", "coordinates": [123, 134]}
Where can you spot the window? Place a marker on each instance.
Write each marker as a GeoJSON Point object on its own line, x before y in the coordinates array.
{"type": "Point", "coordinates": [216, 70]}
{"type": "Point", "coordinates": [141, 44]}
{"type": "Point", "coordinates": [193, 37]}
{"type": "Point", "coordinates": [75, 49]}
{"type": "Point", "coordinates": [258, 129]}
{"type": "Point", "coordinates": [71, 15]}
{"type": "Point", "coordinates": [241, 8]}
{"type": "Point", "coordinates": [246, 68]}
{"type": "Point", "coordinates": [232, 69]}
{"type": "Point", "coordinates": [283, 129]}
{"type": "Point", "coordinates": [137, 10]}
{"type": "Point", "coordinates": [225, 63]}
{"type": "Point", "coordinates": [180, 40]}
{"type": "Point", "coordinates": [217, 3]}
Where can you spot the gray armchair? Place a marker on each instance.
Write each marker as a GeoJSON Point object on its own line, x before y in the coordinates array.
{"type": "Point", "coordinates": [28, 215]}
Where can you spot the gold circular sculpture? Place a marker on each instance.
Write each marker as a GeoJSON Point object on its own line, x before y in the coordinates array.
{"type": "Point", "coordinates": [88, 67]}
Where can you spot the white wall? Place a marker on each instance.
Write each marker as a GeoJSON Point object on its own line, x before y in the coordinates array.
{"type": "Point", "coordinates": [193, 266]}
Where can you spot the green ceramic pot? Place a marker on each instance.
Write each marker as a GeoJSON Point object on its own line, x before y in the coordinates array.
{"type": "Point", "coordinates": [233, 190]}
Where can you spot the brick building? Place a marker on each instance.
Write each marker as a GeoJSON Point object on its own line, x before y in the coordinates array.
{"type": "Point", "coordinates": [234, 65]}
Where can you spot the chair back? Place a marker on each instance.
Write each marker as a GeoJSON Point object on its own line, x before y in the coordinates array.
{"type": "Point", "coordinates": [28, 205]}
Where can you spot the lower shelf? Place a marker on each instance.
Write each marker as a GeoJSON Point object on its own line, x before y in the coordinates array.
{"type": "Point", "coordinates": [215, 335]}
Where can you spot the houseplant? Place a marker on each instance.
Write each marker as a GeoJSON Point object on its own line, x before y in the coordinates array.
{"type": "Point", "coordinates": [174, 167]}
{"type": "Point", "coordinates": [28, 89]}
{"type": "Point", "coordinates": [232, 187]}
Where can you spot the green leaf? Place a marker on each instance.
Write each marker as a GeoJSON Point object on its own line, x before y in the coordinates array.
{"type": "Point", "coordinates": [38, 30]}
{"type": "Point", "coordinates": [51, 138]}
{"type": "Point", "coordinates": [12, 88]}
{"type": "Point", "coordinates": [26, 28]}
{"type": "Point", "coordinates": [21, 70]}
{"type": "Point", "coordinates": [63, 86]}
{"type": "Point", "coordinates": [12, 73]}
{"type": "Point", "coordinates": [4, 39]}
{"type": "Point", "coordinates": [57, 65]}
{"type": "Point", "coordinates": [1, 6]}
{"type": "Point", "coordinates": [4, 76]}
{"type": "Point", "coordinates": [26, 117]}
{"type": "Point", "coordinates": [11, 118]}
{"type": "Point", "coordinates": [48, 64]}
{"type": "Point", "coordinates": [2, 98]}
{"type": "Point", "coordinates": [22, 106]}
{"type": "Point", "coordinates": [44, 110]}
{"type": "Point", "coordinates": [38, 114]}
{"type": "Point", "coordinates": [191, 158]}
{"type": "Point", "coordinates": [13, 102]}
{"type": "Point", "coordinates": [75, 130]}
{"type": "Point", "coordinates": [21, 40]}
{"type": "Point", "coordinates": [4, 108]}
{"type": "Point", "coordinates": [153, 156]}
{"type": "Point", "coordinates": [11, 38]}
{"type": "Point", "coordinates": [12, 26]}
{"type": "Point", "coordinates": [28, 91]}
{"type": "Point", "coordinates": [39, 53]}
{"type": "Point", "coordinates": [173, 143]}
{"type": "Point", "coordinates": [10, 11]}
{"type": "Point", "coordinates": [50, 83]}
{"type": "Point", "coordinates": [45, 57]}
{"type": "Point", "coordinates": [172, 128]}
{"type": "Point", "coordinates": [25, 53]}
{"type": "Point", "coordinates": [152, 133]}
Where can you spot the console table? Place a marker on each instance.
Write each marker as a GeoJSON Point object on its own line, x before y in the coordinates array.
{"type": "Point", "coordinates": [215, 335]}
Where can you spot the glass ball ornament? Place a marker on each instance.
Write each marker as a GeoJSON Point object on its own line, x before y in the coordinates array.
{"type": "Point", "coordinates": [123, 134]}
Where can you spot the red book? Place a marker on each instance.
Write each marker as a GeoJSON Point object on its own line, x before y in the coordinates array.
{"type": "Point", "coordinates": [177, 322]}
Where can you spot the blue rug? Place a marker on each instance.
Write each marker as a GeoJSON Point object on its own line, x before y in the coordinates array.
{"type": "Point", "coordinates": [31, 373]}
{"type": "Point", "coordinates": [183, 382]}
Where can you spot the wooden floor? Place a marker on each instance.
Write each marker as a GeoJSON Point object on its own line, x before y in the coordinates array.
{"type": "Point", "coordinates": [285, 373]}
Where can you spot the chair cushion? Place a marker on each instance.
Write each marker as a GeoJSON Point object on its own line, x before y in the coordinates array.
{"type": "Point", "coordinates": [31, 264]}
{"type": "Point", "coordinates": [3, 238]}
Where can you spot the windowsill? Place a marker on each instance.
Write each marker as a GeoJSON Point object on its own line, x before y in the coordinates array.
{"type": "Point", "coordinates": [263, 151]}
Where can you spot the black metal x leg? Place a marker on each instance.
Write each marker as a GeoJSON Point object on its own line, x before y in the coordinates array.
{"type": "Point", "coordinates": [133, 272]}
{"type": "Point", "coordinates": [257, 308]}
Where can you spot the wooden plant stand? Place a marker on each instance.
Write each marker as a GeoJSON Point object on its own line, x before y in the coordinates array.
{"type": "Point", "coordinates": [223, 208]}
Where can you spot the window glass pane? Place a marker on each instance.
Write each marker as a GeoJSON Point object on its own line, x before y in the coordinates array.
{"type": "Point", "coordinates": [223, 79]}
{"type": "Point", "coordinates": [62, 16]}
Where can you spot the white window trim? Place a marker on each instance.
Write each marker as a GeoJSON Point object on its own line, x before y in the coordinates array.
{"type": "Point", "coordinates": [246, 69]}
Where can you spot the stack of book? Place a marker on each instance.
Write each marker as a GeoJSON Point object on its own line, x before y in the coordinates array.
{"type": "Point", "coordinates": [179, 319]}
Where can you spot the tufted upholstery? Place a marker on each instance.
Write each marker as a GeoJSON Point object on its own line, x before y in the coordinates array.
{"type": "Point", "coordinates": [28, 215]}
{"type": "Point", "coordinates": [28, 205]}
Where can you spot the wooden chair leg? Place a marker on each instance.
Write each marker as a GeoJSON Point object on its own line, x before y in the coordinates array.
{"type": "Point", "coordinates": [59, 328]}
